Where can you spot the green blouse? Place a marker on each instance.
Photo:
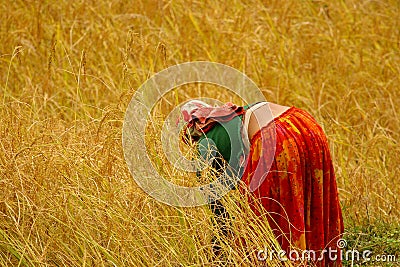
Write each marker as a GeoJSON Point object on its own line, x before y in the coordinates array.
{"type": "Point", "coordinates": [224, 141]}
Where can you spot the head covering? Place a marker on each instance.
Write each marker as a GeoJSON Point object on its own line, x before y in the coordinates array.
{"type": "Point", "coordinates": [201, 117]}
{"type": "Point", "coordinates": [190, 107]}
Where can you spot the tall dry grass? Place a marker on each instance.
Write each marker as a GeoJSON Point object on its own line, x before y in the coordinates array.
{"type": "Point", "coordinates": [68, 70]}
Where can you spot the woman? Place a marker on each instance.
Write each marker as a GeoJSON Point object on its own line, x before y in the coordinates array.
{"type": "Point", "coordinates": [282, 155]}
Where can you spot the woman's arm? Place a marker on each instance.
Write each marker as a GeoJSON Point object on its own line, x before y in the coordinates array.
{"type": "Point", "coordinates": [227, 175]}
{"type": "Point", "coordinates": [210, 154]}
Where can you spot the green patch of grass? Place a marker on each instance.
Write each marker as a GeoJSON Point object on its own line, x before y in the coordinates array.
{"type": "Point", "coordinates": [382, 240]}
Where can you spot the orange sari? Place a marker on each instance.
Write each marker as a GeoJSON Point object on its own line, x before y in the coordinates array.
{"type": "Point", "coordinates": [296, 184]}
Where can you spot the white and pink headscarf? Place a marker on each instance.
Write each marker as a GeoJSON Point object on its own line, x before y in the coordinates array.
{"type": "Point", "coordinates": [201, 117]}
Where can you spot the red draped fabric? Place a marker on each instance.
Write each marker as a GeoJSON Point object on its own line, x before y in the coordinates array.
{"type": "Point", "coordinates": [296, 184]}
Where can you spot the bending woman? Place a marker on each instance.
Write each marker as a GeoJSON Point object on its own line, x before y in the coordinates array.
{"type": "Point", "coordinates": [282, 155]}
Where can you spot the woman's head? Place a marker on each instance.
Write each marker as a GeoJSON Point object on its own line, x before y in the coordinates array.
{"type": "Point", "coordinates": [190, 107]}
{"type": "Point", "coordinates": [187, 110]}
{"type": "Point", "coordinates": [201, 117]}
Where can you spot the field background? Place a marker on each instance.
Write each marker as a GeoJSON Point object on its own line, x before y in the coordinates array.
{"type": "Point", "coordinates": [68, 70]}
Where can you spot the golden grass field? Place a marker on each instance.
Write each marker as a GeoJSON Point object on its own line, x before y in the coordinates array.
{"type": "Point", "coordinates": [69, 69]}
